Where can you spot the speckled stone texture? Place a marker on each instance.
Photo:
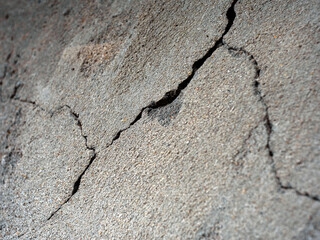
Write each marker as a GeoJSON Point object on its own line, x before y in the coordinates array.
{"type": "Point", "coordinates": [159, 119]}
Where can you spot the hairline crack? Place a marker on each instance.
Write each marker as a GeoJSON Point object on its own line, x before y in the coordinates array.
{"type": "Point", "coordinates": [267, 123]}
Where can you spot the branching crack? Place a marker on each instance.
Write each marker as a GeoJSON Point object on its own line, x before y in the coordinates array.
{"type": "Point", "coordinates": [93, 156]}
{"type": "Point", "coordinates": [267, 123]}
{"type": "Point", "coordinates": [75, 116]}
{"type": "Point", "coordinates": [167, 99]}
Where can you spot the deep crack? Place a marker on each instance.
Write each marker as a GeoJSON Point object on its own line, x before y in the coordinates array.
{"type": "Point", "coordinates": [93, 156]}
{"type": "Point", "coordinates": [267, 123]}
{"type": "Point", "coordinates": [75, 116]}
{"type": "Point", "coordinates": [167, 99]}
{"type": "Point", "coordinates": [172, 95]}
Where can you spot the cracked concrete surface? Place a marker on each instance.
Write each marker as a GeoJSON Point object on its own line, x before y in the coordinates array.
{"type": "Point", "coordinates": [148, 120]}
{"type": "Point", "coordinates": [46, 168]}
{"type": "Point", "coordinates": [289, 58]}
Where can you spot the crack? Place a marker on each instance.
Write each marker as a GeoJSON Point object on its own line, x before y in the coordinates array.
{"type": "Point", "coordinates": [14, 97]}
{"type": "Point", "coordinates": [303, 194]}
{"type": "Point", "coordinates": [93, 156]}
{"type": "Point", "coordinates": [15, 90]}
{"type": "Point", "coordinates": [29, 102]}
{"type": "Point", "coordinates": [75, 116]}
{"type": "Point", "coordinates": [167, 99]}
{"type": "Point", "coordinates": [267, 123]}
{"type": "Point", "coordinates": [172, 95]}
{"type": "Point", "coordinates": [21, 235]}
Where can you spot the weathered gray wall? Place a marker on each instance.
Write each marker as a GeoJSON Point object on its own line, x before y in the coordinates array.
{"type": "Point", "coordinates": [160, 119]}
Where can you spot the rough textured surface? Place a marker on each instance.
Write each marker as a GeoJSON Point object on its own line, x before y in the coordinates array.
{"type": "Point", "coordinates": [160, 119]}
{"type": "Point", "coordinates": [109, 73]}
{"type": "Point", "coordinates": [44, 169]}
{"type": "Point", "coordinates": [286, 47]}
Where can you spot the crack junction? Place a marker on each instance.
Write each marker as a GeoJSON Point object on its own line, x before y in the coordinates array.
{"type": "Point", "coordinates": [167, 99]}
{"type": "Point", "coordinates": [93, 154]}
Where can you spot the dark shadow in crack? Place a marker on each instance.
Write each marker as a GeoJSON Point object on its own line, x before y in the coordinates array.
{"type": "Point", "coordinates": [166, 100]}
{"type": "Point", "coordinates": [166, 114]}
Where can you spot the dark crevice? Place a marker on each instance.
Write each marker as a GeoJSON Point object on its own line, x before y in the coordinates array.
{"type": "Point", "coordinates": [256, 84]}
{"type": "Point", "coordinates": [16, 98]}
{"type": "Point", "coordinates": [9, 56]}
{"type": "Point", "coordinates": [76, 185]}
{"type": "Point", "coordinates": [29, 102]}
{"type": "Point", "coordinates": [93, 156]}
{"type": "Point", "coordinates": [10, 153]}
{"type": "Point", "coordinates": [167, 99]}
{"type": "Point", "coordinates": [267, 122]}
{"type": "Point", "coordinates": [75, 116]}
{"type": "Point", "coordinates": [172, 95]}
{"type": "Point", "coordinates": [231, 15]}
{"type": "Point", "coordinates": [15, 90]}
{"type": "Point", "coordinates": [304, 194]}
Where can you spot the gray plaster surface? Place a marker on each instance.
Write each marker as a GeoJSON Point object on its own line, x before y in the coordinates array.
{"type": "Point", "coordinates": [286, 47]}
{"type": "Point", "coordinates": [159, 120]}
{"type": "Point", "coordinates": [131, 61]}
